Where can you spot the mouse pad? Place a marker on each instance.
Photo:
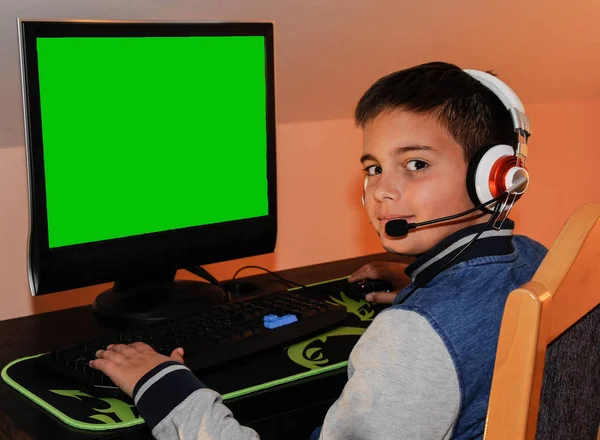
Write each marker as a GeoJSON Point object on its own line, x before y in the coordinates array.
{"type": "Point", "coordinates": [325, 352]}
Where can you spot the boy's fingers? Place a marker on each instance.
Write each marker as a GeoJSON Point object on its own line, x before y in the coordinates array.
{"type": "Point", "coordinates": [177, 355]}
{"type": "Point", "coordinates": [367, 271]}
{"type": "Point", "coordinates": [354, 277]}
{"type": "Point", "coordinates": [105, 366]}
{"type": "Point", "coordinates": [358, 275]}
{"type": "Point", "coordinates": [381, 297]}
{"type": "Point", "coordinates": [109, 354]}
{"type": "Point", "coordinates": [99, 364]}
{"type": "Point", "coordinates": [119, 348]}
{"type": "Point", "coordinates": [141, 346]}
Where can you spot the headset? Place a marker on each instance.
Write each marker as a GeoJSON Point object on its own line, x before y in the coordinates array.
{"type": "Point", "coordinates": [495, 171]}
{"type": "Point", "coordinates": [497, 168]}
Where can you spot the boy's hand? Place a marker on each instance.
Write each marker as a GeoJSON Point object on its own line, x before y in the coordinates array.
{"type": "Point", "coordinates": [382, 270]}
{"type": "Point", "coordinates": [127, 364]}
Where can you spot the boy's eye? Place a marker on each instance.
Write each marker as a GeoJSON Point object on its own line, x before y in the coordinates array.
{"type": "Point", "coordinates": [416, 165]}
{"type": "Point", "coordinates": [372, 170]}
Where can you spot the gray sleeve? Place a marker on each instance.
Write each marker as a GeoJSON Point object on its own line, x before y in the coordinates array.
{"type": "Point", "coordinates": [176, 405]}
{"type": "Point", "coordinates": [202, 416]}
{"type": "Point", "coordinates": [402, 384]}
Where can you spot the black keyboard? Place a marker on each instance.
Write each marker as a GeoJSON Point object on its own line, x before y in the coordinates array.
{"type": "Point", "coordinates": [209, 338]}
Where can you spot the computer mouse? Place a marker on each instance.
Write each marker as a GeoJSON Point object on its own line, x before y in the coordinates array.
{"type": "Point", "coordinates": [360, 289]}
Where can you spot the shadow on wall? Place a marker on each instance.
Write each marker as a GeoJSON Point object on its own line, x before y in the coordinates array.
{"type": "Point", "coordinates": [367, 239]}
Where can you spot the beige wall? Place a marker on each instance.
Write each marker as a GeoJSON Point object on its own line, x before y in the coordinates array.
{"type": "Point", "coordinates": [564, 163]}
{"type": "Point", "coordinates": [320, 216]}
{"type": "Point", "coordinates": [329, 51]}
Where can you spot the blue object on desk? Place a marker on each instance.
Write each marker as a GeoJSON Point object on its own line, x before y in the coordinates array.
{"type": "Point", "coordinates": [274, 321]}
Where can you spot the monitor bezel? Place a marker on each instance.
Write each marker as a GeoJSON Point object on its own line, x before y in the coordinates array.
{"type": "Point", "coordinates": [68, 267]}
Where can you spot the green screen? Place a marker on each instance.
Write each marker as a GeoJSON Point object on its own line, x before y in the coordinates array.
{"type": "Point", "coordinates": [147, 134]}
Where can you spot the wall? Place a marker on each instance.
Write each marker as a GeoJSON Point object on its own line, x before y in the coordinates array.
{"type": "Point", "coordinates": [563, 161]}
{"type": "Point", "coordinates": [329, 51]}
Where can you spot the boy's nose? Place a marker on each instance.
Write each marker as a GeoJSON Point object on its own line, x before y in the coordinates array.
{"type": "Point", "coordinates": [386, 189]}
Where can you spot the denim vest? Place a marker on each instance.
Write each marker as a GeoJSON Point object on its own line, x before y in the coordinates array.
{"type": "Point", "coordinates": [464, 303]}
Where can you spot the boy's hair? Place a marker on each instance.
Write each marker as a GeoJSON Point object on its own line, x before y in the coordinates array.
{"type": "Point", "coordinates": [472, 114]}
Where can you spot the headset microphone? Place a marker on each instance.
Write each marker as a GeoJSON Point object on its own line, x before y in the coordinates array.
{"type": "Point", "coordinates": [400, 227]}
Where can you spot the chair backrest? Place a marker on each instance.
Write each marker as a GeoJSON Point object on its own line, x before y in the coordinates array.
{"type": "Point", "coordinates": [546, 382]}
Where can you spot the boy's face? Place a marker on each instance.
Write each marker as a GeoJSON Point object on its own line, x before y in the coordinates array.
{"type": "Point", "coordinates": [416, 171]}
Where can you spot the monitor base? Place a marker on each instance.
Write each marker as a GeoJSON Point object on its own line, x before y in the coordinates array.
{"type": "Point", "coordinates": [156, 302]}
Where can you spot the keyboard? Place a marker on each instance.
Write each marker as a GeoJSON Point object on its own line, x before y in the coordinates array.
{"type": "Point", "coordinates": [210, 338]}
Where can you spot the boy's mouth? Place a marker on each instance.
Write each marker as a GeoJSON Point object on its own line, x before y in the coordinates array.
{"type": "Point", "coordinates": [387, 218]}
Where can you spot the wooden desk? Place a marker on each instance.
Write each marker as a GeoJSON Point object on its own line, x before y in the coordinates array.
{"type": "Point", "coordinates": [290, 411]}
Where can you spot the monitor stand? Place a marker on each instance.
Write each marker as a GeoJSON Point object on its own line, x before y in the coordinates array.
{"type": "Point", "coordinates": [151, 298]}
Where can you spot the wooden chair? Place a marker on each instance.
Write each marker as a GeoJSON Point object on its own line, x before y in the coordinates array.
{"type": "Point", "coordinates": [546, 382]}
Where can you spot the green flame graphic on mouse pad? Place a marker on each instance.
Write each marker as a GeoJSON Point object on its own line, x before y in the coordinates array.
{"type": "Point", "coordinates": [323, 350]}
{"type": "Point", "coordinates": [117, 410]}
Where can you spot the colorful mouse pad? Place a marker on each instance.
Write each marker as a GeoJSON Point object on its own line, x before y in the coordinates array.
{"type": "Point", "coordinates": [317, 355]}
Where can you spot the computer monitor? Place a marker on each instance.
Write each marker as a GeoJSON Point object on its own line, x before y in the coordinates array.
{"type": "Point", "coordinates": [150, 148]}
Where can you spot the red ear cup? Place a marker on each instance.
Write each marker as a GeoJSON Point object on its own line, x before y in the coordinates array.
{"type": "Point", "coordinates": [491, 172]}
{"type": "Point", "coordinates": [499, 173]}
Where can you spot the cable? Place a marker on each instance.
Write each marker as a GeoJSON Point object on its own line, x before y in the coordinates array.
{"type": "Point", "coordinates": [203, 273]}
{"type": "Point", "coordinates": [462, 214]}
{"type": "Point", "coordinates": [272, 273]}
{"type": "Point", "coordinates": [489, 222]}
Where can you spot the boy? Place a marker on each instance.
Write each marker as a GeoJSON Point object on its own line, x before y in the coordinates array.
{"type": "Point", "coordinates": [423, 369]}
